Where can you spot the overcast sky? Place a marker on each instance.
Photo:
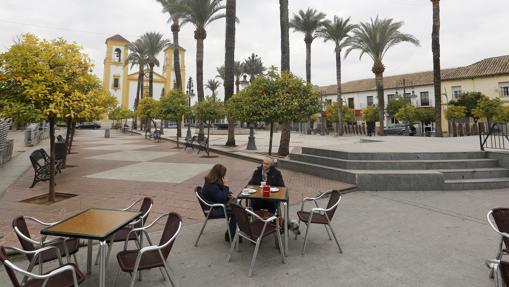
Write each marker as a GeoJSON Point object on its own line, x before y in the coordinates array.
{"type": "Point", "coordinates": [471, 30]}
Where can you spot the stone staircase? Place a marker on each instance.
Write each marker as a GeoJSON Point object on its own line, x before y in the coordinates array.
{"type": "Point", "coordinates": [405, 171]}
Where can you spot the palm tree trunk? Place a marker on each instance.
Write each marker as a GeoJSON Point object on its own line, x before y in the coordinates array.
{"type": "Point", "coordinates": [285, 35]}
{"type": "Point", "coordinates": [71, 141]}
{"type": "Point", "coordinates": [271, 136]}
{"type": "Point", "coordinates": [379, 77]}
{"type": "Point", "coordinates": [151, 80]}
{"type": "Point", "coordinates": [139, 90]}
{"type": "Point", "coordinates": [200, 35]}
{"type": "Point", "coordinates": [229, 63]}
{"type": "Point", "coordinates": [175, 29]}
{"type": "Point", "coordinates": [437, 81]}
{"type": "Point", "coordinates": [308, 61]}
{"type": "Point", "coordinates": [339, 92]}
{"type": "Point", "coordinates": [51, 193]}
{"type": "Point", "coordinates": [237, 85]}
{"type": "Point", "coordinates": [179, 131]}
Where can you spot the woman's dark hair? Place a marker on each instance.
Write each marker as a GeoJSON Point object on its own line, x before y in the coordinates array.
{"type": "Point", "coordinates": [216, 174]}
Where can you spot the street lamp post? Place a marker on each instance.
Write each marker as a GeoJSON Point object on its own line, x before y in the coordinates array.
{"type": "Point", "coordinates": [189, 93]}
{"type": "Point", "coordinates": [251, 143]}
{"type": "Point", "coordinates": [405, 84]}
{"type": "Point", "coordinates": [322, 118]}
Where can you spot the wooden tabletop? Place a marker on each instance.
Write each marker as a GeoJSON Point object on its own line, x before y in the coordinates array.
{"type": "Point", "coordinates": [281, 195]}
{"type": "Point", "coordinates": [96, 224]}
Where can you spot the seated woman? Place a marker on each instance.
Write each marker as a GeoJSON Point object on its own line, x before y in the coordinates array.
{"type": "Point", "coordinates": [216, 190]}
{"type": "Point", "coordinates": [269, 174]}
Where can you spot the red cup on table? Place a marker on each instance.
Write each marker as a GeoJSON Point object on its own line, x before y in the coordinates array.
{"type": "Point", "coordinates": [266, 190]}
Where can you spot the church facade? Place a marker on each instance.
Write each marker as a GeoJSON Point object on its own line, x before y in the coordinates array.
{"type": "Point", "coordinates": [122, 82]}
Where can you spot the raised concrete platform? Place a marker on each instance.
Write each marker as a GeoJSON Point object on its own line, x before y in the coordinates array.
{"type": "Point", "coordinates": [466, 170]}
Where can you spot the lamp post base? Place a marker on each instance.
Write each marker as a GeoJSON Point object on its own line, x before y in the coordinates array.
{"type": "Point", "coordinates": [251, 145]}
{"type": "Point", "coordinates": [188, 133]}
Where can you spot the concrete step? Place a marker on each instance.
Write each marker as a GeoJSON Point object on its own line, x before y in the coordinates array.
{"type": "Point", "coordinates": [476, 184]}
{"type": "Point", "coordinates": [395, 164]}
{"type": "Point", "coordinates": [477, 173]}
{"type": "Point", "coordinates": [318, 170]}
{"type": "Point", "coordinates": [392, 155]}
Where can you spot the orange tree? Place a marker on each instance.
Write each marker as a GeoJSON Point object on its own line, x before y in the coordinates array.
{"type": "Point", "coordinates": [51, 80]}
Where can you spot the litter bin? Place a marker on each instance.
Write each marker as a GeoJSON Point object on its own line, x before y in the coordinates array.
{"type": "Point", "coordinates": [107, 133]}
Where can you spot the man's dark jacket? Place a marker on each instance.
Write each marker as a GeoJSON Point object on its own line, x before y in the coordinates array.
{"type": "Point", "coordinates": [274, 177]}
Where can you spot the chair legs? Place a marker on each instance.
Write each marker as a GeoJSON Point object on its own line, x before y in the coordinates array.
{"type": "Point", "coordinates": [203, 228]}
{"type": "Point", "coordinates": [335, 238]}
{"type": "Point", "coordinates": [253, 260]}
{"type": "Point", "coordinates": [305, 239]}
{"type": "Point", "coordinates": [499, 254]}
{"type": "Point", "coordinates": [331, 231]}
{"type": "Point", "coordinates": [234, 242]}
{"type": "Point", "coordinates": [280, 243]}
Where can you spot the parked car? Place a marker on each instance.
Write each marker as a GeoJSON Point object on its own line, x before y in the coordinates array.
{"type": "Point", "coordinates": [88, 125]}
{"type": "Point", "coordinates": [398, 129]}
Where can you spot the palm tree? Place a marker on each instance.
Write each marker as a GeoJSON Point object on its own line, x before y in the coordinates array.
{"type": "Point", "coordinates": [437, 79]}
{"type": "Point", "coordinates": [284, 23]}
{"type": "Point", "coordinates": [253, 66]}
{"type": "Point", "coordinates": [338, 31]}
{"type": "Point", "coordinates": [154, 44]}
{"type": "Point", "coordinates": [239, 71]}
{"type": "Point", "coordinates": [375, 38]}
{"type": "Point", "coordinates": [137, 56]}
{"type": "Point", "coordinates": [308, 22]}
{"type": "Point", "coordinates": [169, 7]}
{"type": "Point", "coordinates": [213, 85]}
{"type": "Point", "coordinates": [229, 63]}
{"type": "Point", "coordinates": [285, 35]}
{"type": "Point", "coordinates": [200, 13]}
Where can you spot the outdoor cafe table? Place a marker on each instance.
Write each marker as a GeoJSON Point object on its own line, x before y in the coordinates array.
{"type": "Point", "coordinates": [281, 195]}
{"type": "Point", "coordinates": [93, 224]}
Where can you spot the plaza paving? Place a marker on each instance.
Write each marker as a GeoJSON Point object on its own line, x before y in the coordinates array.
{"type": "Point", "coordinates": [388, 238]}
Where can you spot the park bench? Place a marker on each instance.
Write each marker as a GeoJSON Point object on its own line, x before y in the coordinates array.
{"type": "Point", "coordinates": [60, 152]}
{"type": "Point", "coordinates": [189, 142]}
{"type": "Point", "coordinates": [41, 165]}
{"type": "Point", "coordinates": [156, 135]}
{"type": "Point", "coordinates": [203, 145]}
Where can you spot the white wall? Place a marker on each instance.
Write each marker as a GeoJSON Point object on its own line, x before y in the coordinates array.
{"type": "Point", "coordinates": [116, 71]}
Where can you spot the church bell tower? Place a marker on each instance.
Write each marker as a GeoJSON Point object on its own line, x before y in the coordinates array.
{"type": "Point", "coordinates": [116, 70]}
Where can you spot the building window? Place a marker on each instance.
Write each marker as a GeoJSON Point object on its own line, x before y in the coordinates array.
{"type": "Point", "coordinates": [424, 99]}
{"type": "Point", "coordinates": [116, 82]}
{"type": "Point", "coordinates": [370, 101]}
{"type": "Point", "coordinates": [351, 104]}
{"type": "Point", "coordinates": [390, 97]}
{"type": "Point", "coordinates": [504, 89]}
{"type": "Point", "coordinates": [118, 55]}
{"type": "Point", "coordinates": [456, 92]}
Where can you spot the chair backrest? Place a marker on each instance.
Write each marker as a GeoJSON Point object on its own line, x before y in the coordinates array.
{"type": "Point", "coordinates": [334, 198]}
{"type": "Point", "coordinates": [10, 272]}
{"type": "Point", "coordinates": [172, 227]}
{"type": "Point", "coordinates": [45, 155]}
{"type": "Point", "coordinates": [60, 150]}
{"type": "Point", "coordinates": [201, 199]}
{"type": "Point", "coordinates": [35, 157]}
{"type": "Point", "coordinates": [20, 223]}
{"type": "Point", "coordinates": [501, 218]}
{"type": "Point", "coordinates": [242, 219]}
{"type": "Point", "coordinates": [146, 206]}
{"type": "Point", "coordinates": [504, 271]}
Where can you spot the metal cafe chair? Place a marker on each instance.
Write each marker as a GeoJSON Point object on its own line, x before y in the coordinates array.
{"type": "Point", "coordinates": [254, 230]}
{"type": "Point", "coordinates": [498, 218]}
{"type": "Point", "coordinates": [153, 256]}
{"type": "Point", "coordinates": [66, 246]}
{"type": "Point", "coordinates": [210, 212]}
{"type": "Point", "coordinates": [63, 276]}
{"type": "Point", "coordinates": [318, 215]}
{"type": "Point", "coordinates": [500, 270]}
{"type": "Point", "coordinates": [120, 236]}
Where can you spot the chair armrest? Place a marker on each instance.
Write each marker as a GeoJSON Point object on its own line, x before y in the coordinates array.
{"type": "Point", "coordinates": [270, 219]}
{"type": "Point", "coordinates": [503, 234]}
{"type": "Point", "coordinates": [132, 204]}
{"type": "Point", "coordinates": [26, 238]}
{"type": "Point", "coordinates": [36, 252]}
{"type": "Point", "coordinates": [318, 210]}
{"type": "Point", "coordinates": [142, 229]}
{"type": "Point", "coordinates": [317, 197]}
{"type": "Point", "coordinates": [40, 221]}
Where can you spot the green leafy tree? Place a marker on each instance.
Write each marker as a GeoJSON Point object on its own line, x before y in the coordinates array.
{"type": "Point", "coordinates": [332, 114]}
{"type": "Point", "coordinates": [375, 38]}
{"type": "Point", "coordinates": [455, 113]}
{"type": "Point", "coordinates": [338, 31]}
{"type": "Point", "coordinates": [370, 114]}
{"type": "Point", "coordinates": [52, 79]}
{"type": "Point", "coordinates": [410, 114]}
{"type": "Point", "coordinates": [153, 44]}
{"type": "Point", "coordinates": [503, 115]}
{"type": "Point", "coordinates": [469, 101]}
{"type": "Point", "coordinates": [396, 104]}
{"type": "Point", "coordinates": [149, 110]}
{"type": "Point", "coordinates": [488, 109]}
{"type": "Point", "coordinates": [174, 107]}
{"type": "Point", "coordinates": [208, 111]}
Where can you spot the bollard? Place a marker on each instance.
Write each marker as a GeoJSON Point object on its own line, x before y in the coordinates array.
{"type": "Point", "coordinates": [107, 133]}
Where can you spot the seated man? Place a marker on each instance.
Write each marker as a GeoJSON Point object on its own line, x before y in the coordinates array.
{"type": "Point", "coordinates": [272, 176]}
